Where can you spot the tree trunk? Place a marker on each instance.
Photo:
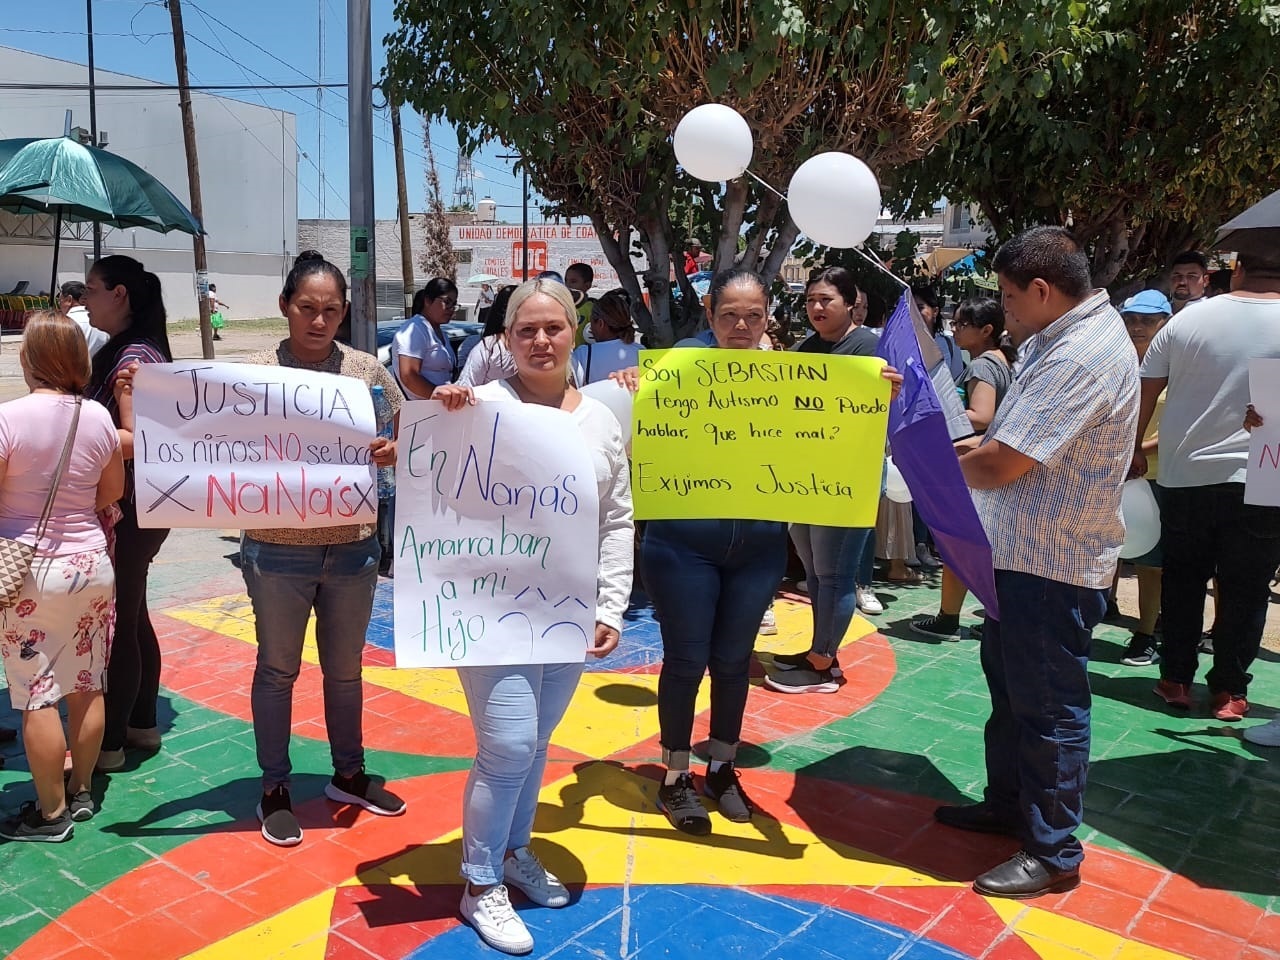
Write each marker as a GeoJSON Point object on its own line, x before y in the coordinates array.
{"type": "Point", "coordinates": [618, 253]}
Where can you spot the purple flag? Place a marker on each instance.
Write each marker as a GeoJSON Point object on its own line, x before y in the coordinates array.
{"type": "Point", "coordinates": [922, 451]}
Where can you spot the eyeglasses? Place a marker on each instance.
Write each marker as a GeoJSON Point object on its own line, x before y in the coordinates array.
{"type": "Point", "coordinates": [448, 302]}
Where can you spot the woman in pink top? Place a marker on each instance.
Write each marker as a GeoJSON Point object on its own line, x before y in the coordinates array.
{"type": "Point", "coordinates": [54, 640]}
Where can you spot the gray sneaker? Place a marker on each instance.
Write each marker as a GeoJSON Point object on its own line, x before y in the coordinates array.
{"type": "Point", "coordinates": [30, 826]}
{"type": "Point", "coordinates": [80, 806]}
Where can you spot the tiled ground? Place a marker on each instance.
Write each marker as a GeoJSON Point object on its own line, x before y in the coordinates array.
{"type": "Point", "coordinates": [1182, 819]}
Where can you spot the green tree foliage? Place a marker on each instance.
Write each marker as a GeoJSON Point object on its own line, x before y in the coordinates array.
{"type": "Point", "coordinates": [1157, 126]}
{"type": "Point", "coordinates": [589, 93]}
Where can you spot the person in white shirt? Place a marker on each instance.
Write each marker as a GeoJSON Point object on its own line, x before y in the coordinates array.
{"type": "Point", "coordinates": [486, 358]}
{"type": "Point", "coordinates": [515, 709]}
{"type": "Point", "coordinates": [614, 336]}
{"type": "Point", "coordinates": [71, 304]}
{"type": "Point", "coordinates": [421, 356]}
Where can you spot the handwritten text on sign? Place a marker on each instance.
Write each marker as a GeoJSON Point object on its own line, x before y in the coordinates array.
{"type": "Point", "coordinates": [497, 536]}
{"type": "Point", "coordinates": [758, 435]}
{"type": "Point", "coordinates": [238, 445]}
{"type": "Point", "coordinates": [1262, 481]}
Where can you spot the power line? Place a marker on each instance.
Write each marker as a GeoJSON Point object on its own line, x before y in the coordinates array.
{"type": "Point", "coordinates": [172, 86]}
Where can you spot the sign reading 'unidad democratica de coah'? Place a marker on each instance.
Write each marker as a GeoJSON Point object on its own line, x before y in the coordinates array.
{"type": "Point", "coordinates": [238, 446]}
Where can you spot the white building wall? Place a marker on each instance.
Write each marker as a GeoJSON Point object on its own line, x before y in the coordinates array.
{"type": "Point", "coordinates": [248, 172]}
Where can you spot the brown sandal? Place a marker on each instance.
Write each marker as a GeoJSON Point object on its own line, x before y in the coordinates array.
{"type": "Point", "coordinates": [912, 579]}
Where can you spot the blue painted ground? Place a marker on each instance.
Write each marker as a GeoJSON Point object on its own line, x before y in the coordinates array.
{"type": "Point", "coordinates": [697, 922]}
{"type": "Point", "coordinates": [641, 644]}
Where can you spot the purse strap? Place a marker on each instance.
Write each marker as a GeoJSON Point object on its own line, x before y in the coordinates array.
{"type": "Point", "coordinates": [57, 477]}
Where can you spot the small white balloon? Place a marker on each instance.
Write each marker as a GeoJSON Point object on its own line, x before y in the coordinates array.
{"type": "Point", "coordinates": [1141, 519]}
{"type": "Point", "coordinates": [895, 485]}
{"type": "Point", "coordinates": [834, 199]}
{"type": "Point", "coordinates": [713, 142]}
{"type": "Point", "coordinates": [618, 399]}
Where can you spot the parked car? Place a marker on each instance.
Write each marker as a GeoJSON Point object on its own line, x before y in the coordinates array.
{"type": "Point", "coordinates": [455, 330]}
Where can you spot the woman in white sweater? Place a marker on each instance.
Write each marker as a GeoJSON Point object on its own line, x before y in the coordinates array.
{"type": "Point", "coordinates": [515, 709]}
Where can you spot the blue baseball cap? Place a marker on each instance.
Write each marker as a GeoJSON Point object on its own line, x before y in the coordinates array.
{"type": "Point", "coordinates": [1148, 301]}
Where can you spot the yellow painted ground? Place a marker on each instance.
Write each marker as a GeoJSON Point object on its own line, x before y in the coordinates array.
{"type": "Point", "coordinates": [610, 711]}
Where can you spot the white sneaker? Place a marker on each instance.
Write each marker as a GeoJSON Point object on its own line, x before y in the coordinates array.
{"type": "Point", "coordinates": [1265, 735]}
{"type": "Point", "coordinates": [496, 920]}
{"type": "Point", "coordinates": [868, 602]}
{"type": "Point", "coordinates": [769, 625]}
{"type": "Point", "coordinates": [526, 873]}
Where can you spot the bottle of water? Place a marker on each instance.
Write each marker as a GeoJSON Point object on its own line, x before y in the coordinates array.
{"type": "Point", "coordinates": [385, 417]}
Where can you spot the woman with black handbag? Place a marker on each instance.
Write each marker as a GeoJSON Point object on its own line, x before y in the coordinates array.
{"type": "Point", "coordinates": [56, 579]}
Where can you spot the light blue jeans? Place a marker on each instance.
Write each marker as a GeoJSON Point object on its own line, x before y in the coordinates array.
{"type": "Point", "coordinates": [836, 563]}
{"type": "Point", "coordinates": [285, 584]}
{"type": "Point", "coordinates": [514, 711]}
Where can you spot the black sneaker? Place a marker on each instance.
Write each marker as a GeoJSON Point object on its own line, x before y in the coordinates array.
{"type": "Point", "coordinates": [31, 826]}
{"type": "Point", "coordinates": [1141, 651]}
{"type": "Point", "coordinates": [279, 825]}
{"type": "Point", "coordinates": [1206, 642]}
{"type": "Point", "coordinates": [940, 627]}
{"type": "Point", "coordinates": [723, 787]}
{"type": "Point", "coordinates": [803, 681]}
{"type": "Point", "coordinates": [363, 792]}
{"type": "Point", "coordinates": [80, 806]}
{"type": "Point", "coordinates": [800, 661]}
{"type": "Point", "coordinates": [679, 801]}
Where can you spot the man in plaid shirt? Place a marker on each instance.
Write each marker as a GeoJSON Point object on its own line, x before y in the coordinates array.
{"type": "Point", "coordinates": [1046, 479]}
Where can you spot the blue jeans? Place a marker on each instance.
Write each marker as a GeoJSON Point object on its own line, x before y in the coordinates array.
{"type": "Point", "coordinates": [1036, 660]}
{"type": "Point", "coordinates": [711, 582]}
{"type": "Point", "coordinates": [285, 584]}
{"type": "Point", "coordinates": [835, 565]}
{"type": "Point", "coordinates": [514, 711]}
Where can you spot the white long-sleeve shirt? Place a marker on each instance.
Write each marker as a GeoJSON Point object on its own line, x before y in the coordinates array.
{"type": "Point", "coordinates": [605, 443]}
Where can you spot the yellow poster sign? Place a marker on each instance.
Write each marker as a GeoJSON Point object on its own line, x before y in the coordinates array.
{"type": "Point", "coordinates": [759, 435]}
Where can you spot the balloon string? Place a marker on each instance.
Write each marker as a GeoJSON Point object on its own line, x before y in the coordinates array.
{"type": "Point", "coordinates": [767, 186]}
{"type": "Point", "coordinates": [875, 262]}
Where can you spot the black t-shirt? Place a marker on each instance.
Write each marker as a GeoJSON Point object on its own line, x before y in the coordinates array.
{"type": "Point", "coordinates": [858, 342]}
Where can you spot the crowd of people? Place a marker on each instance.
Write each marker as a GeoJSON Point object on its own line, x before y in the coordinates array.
{"type": "Point", "coordinates": [1067, 397]}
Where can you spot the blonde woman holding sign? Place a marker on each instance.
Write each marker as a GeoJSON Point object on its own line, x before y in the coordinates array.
{"type": "Point", "coordinates": [515, 709]}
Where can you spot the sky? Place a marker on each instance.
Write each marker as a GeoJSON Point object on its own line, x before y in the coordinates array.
{"type": "Point", "coordinates": [268, 41]}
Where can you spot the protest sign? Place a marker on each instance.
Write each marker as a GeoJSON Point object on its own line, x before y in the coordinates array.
{"type": "Point", "coordinates": [497, 536]}
{"type": "Point", "coordinates": [1262, 481]}
{"type": "Point", "coordinates": [252, 447]}
{"type": "Point", "coordinates": [758, 435]}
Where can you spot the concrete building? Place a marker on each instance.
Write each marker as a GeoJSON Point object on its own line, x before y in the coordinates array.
{"type": "Point", "coordinates": [248, 170]}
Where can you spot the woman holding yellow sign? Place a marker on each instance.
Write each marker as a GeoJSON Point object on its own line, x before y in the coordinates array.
{"type": "Point", "coordinates": [710, 581]}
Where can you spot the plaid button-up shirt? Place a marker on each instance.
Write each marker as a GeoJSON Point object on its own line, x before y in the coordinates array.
{"type": "Point", "coordinates": [1073, 409]}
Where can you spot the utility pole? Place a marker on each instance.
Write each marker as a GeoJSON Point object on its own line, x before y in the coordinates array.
{"type": "Point", "coordinates": [402, 199]}
{"type": "Point", "coordinates": [524, 241]}
{"type": "Point", "coordinates": [364, 299]}
{"type": "Point", "coordinates": [193, 176]}
{"type": "Point", "coordinates": [93, 117]}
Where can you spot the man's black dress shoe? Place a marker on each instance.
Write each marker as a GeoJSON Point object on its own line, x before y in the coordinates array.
{"type": "Point", "coordinates": [1022, 876]}
{"type": "Point", "coordinates": [978, 817]}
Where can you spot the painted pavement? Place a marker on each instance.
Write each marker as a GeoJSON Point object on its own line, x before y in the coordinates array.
{"type": "Point", "coordinates": [843, 861]}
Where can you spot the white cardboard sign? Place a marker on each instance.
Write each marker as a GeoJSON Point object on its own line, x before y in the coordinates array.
{"type": "Point", "coordinates": [1262, 481]}
{"type": "Point", "coordinates": [247, 446]}
{"type": "Point", "coordinates": [496, 536]}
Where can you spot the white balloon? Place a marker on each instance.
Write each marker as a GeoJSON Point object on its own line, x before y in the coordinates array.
{"type": "Point", "coordinates": [1141, 519]}
{"type": "Point", "coordinates": [713, 142]}
{"type": "Point", "coordinates": [618, 399]}
{"type": "Point", "coordinates": [834, 199]}
{"type": "Point", "coordinates": [895, 485]}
